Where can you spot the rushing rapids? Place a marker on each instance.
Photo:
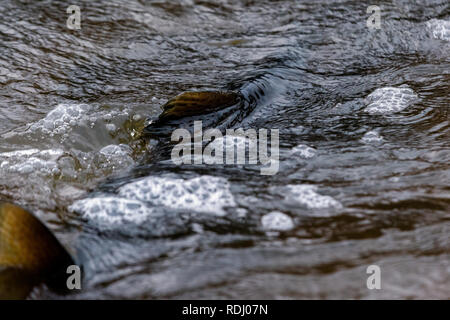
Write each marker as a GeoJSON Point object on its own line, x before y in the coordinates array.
{"type": "Point", "coordinates": [363, 166]}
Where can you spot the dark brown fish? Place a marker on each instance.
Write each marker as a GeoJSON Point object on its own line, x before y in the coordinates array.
{"type": "Point", "coordinates": [214, 108]}
{"type": "Point", "coordinates": [197, 103]}
{"type": "Point", "coordinates": [29, 254]}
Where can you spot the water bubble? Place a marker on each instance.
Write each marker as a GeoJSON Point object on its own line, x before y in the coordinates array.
{"type": "Point", "coordinates": [372, 137]}
{"type": "Point", "coordinates": [277, 221]}
{"type": "Point", "coordinates": [303, 151]}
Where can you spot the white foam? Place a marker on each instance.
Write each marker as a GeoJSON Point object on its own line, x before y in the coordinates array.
{"type": "Point", "coordinates": [62, 119]}
{"type": "Point", "coordinates": [371, 137]}
{"type": "Point", "coordinates": [31, 161]}
{"type": "Point", "coordinates": [439, 28]}
{"type": "Point", "coordinates": [307, 196]}
{"type": "Point", "coordinates": [389, 100]}
{"type": "Point", "coordinates": [111, 212]}
{"type": "Point", "coordinates": [65, 117]}
{"type": "Point", "coordinates": [277, 221]}
{"type": "Point", "coordinates": [51, 162]}
{"type": "Point", "coordinates": [303, 151]}
{"type": "Point", "coordinates": [202, 194]}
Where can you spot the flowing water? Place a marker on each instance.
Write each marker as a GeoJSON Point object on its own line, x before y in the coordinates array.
{"type": "Point", "coordinates": [364, 120]}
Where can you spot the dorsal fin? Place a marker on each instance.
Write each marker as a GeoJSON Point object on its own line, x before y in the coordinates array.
{"type": "Point", "coordinates": [197, 103]}
{"type": "Point", "coordinates": [27, 246]}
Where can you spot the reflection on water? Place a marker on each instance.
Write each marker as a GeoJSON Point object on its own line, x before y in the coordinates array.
{"type": "Point", "coordinates": [364, 132]}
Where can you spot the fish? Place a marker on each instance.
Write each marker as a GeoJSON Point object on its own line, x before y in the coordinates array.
{"type": "Point", "coordinates": [29, 254]}
{"type": "Point", "coordinates": [196, 103]}
{"type": "Point", "coordinates": [214, 108]}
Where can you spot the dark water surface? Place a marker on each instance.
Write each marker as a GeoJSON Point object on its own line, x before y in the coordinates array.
{"type": "Point", "coordinates": [364, 126]}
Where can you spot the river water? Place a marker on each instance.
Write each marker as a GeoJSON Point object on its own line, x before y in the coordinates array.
{"type": "Point", "coordinates": [364, 126]}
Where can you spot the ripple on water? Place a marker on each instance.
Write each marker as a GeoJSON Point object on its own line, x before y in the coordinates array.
{"type": "Point", "coordinates": [389, 100]}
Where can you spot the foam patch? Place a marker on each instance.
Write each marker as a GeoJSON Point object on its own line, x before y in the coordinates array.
{"type": "Point", "coordinates": [372, 137]}
{"type": "Point", "coordinates": [31, 161]}
{"type": "Point", "coordinates": [202, 194]}
{"type": "Point", "coordinates": [303, 151]}
{"type": "Point", "coordinates": [390, 100]}
{"type": "Point", "coordinates": [111, 211]}
{"type": "Point", "coordinates": [439, 28]}
{"type": "Point", "coordinates": [307, 196]}
{"type": "Point", "coordinates": [57, 161]}
{"type": "Point", "coordinates": [62, 119]}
